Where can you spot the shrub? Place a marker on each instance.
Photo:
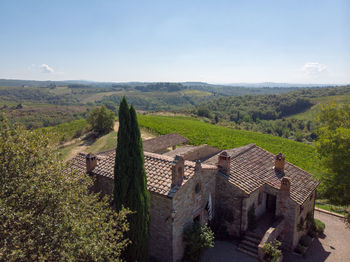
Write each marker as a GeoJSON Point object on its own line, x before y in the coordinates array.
{"type": "Point", "coordinates": [218, 224]}
{"type": "Point", "coordinates": [272, 251]}
{"type": "Point", "coordinates": [347, 218]}
{"type": "Point", "coordinates": [197, 238]}
{"type": "Point", "coordinates": [319, 227]}
{"type": "Point", "coordinates": [101, 120]}
{"type": "Point", "coordinates": [300, 249]}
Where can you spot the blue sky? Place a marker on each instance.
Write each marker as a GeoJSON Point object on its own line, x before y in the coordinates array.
{"type": "Point", "coordinates": [295, 41]}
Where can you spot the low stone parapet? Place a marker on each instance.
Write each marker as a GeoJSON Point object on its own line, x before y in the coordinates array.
{"type": "Point", "coordinates": [271, 234]}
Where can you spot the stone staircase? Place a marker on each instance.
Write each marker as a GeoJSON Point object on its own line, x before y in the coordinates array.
{"type": "Point", "coordinates": [249, 244]}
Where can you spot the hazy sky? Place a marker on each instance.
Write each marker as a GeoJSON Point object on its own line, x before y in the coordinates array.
{"type": "Point", "coordinates": [296, 41]}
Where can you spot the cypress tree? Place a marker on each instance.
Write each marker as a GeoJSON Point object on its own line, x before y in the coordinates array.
{"type": "Point", "coordinates": [138, 195]}
{"type": "Point", "coordinates": [131, 182]}
{"type": "Point", "coordinates": [122, 158]}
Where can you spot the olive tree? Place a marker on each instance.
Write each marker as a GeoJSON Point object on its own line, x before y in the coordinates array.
{"type": "Point", "coordinates": [46, 210]}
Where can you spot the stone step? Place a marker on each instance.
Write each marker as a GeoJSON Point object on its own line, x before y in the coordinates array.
{"type": "Point", "coordinates": [252, 239]}
{"type": "Point", "coordinates": [252, 249]}
{"type": "Point", "coordinates": [252, 234]}
{"type": "Point", "coordinates": [249, 243]}
{"type": "Point", "coordinates": [247, 251]}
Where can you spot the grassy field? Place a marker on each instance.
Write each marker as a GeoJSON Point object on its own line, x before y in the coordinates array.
{"type": "Point", "coordinates": [68, 130]}
{"type": "Point", "coordinates": [199, 132]}
{"type": "Point", "coordinates": [324, 204]}
{"type": "Point", "coordinates": [313, 111]}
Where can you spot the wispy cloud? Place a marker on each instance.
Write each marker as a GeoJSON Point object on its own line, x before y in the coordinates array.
{"type": "Point", "coordinates": [314, 69]}
{"type": "Point", "coordinates": [46, 69]}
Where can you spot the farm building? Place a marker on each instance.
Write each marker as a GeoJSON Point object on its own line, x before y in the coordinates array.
{"type": "Point", "coordinates": [222, 188]}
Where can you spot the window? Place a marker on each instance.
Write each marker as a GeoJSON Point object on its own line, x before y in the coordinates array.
{"type": "Point", "coordinates": [301, 209]}
{"type": "Point", "coordinates": [197, 189]}
{"type": "Point", "coordinates": [260, 196]}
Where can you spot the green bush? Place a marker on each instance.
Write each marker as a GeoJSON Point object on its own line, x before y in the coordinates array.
{"type": "Point", "coordinates": [319, 227]}
{"type": "Point", "coordinates": [272, 251]}
{"type": "Point", "coordinates": [300, 249]}
{"type": "Point", "coordinates": [197, 238]}
{"type": "Point", "coordinates": [101, 120]}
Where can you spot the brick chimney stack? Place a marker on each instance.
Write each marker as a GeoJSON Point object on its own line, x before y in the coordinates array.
{"type": "Point", "coordinates": [279, 162]}
{"type": "Point", "coordinates": [285, 185]}
{"type": "Point", "coordinates": [91, 162]}
{"type": "Point", "coordinates": [178, 171]}
{"type": "Point", "coordinates": [224, 162]}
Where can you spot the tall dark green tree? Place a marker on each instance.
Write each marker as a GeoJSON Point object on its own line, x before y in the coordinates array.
{"type": "Point", "coordinates": [131, 182]}
{"type": "Point", "coordinates": [122, 157]}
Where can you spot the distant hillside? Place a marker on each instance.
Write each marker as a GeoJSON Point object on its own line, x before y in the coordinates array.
{"type": "Point", "coordinates": [199, 132]}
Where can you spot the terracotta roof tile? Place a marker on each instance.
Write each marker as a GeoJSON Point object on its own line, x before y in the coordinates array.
{"type": "Point", "coordinates": [253, 167]}
{"type": "Point", "coordinates": [158, 169]}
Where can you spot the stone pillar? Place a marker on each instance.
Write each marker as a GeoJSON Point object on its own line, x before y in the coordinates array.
{"type": "Point", "coordinates": [224, 163]}
{"type": "Point", "coordinates": [279, 162]}
{"type": "Point", "coordinates": [178, 171]}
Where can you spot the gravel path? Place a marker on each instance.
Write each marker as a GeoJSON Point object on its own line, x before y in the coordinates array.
{"type": "Point", "coordinates": [333, 247]}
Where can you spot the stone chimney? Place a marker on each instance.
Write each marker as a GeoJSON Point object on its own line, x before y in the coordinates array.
{"type": "Point", "coordinates": [279, 162]}
{"type": "Point", "coordinates": [91, 162]}
{"type": "Point", "coordinates": [224, 162]}
{"type": "Point", "coordinates": [285, 185]}
{"type": "Point", "coordinates": [178, 169]}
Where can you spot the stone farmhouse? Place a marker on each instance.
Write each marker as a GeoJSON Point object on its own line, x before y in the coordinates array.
{"type": "Point", "coordinates": [205, 184]}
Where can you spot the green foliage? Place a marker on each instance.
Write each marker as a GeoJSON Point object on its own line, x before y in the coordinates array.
{"type": "Point", "coordinates": [319, 226]}
{"type": "Point", "coordinates": [251, 217]}
{"type": "Point", "coordinates": [333, 147]}
{"type": "Point", "coordinates": [272, 251]}
{"type": "Point", "coordinates": [300, 249]}
{"type": "Point", "coordinates": [131, 182]}
{"type": "Point", "coordinates": [46, 210]}
{"type": "Point", "coordinates": [300, 226]}
{"type": "Point", "coordinates": [197, 238]}
{"type": "Point", "coordinates": [67, 131]}
{"type": "Point", "coordinates": [347, 218]}
{"type": "Point", "coordinates": [218, 224]}
{"type": "Point", "coordinates": [267, 113]}
{"type": "Point", "coordinates": [199, 133]}
{"type": "Point", "coordinates": [101, 120]}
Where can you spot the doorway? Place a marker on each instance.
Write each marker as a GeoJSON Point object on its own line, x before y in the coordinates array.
{"type": "Point", "coordinates": [271, 203]}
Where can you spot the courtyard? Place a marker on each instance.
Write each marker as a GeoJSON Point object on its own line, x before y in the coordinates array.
{"type": "Point", "coordinates": [332, 247]}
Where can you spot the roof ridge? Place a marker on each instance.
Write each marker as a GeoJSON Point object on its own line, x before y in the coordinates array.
{"type": "Point", "coordinates": [249, 147]}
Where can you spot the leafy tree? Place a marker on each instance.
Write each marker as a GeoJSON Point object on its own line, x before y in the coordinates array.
{"type": "Point", "coordinates": [101, 120]}
{"type": "Point", "coordinates": [46, 210]}
{"type": "Point", "coordinates": [333, 146]}
{"type": "Point", "coordinates": [131, 182]}
{"type": "Point", "coordinates": [197, 238]}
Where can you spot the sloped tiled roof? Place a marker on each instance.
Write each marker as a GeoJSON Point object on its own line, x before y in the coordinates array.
{"type": "Point", "coordinates": [158, 170]}
{"type": "Point", "coordinates": [252, 167]}
{"type": "Point", "coordinates": [160, 143]}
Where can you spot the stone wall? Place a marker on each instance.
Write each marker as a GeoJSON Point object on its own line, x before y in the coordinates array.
{"type": "Point", "coordinates": [200, 152]}
{"type": "Point", "coordinates": [230, 199]}
{"type": "Point", "coordinates": [188, 204]}
{"type": "Point", "coordinates": [160, 228]}
{"type": "Point", "coordinates": [308, 206]}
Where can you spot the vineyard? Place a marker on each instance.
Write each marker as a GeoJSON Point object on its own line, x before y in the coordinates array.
{"type": "Point", "coordinates": [198, 132]}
